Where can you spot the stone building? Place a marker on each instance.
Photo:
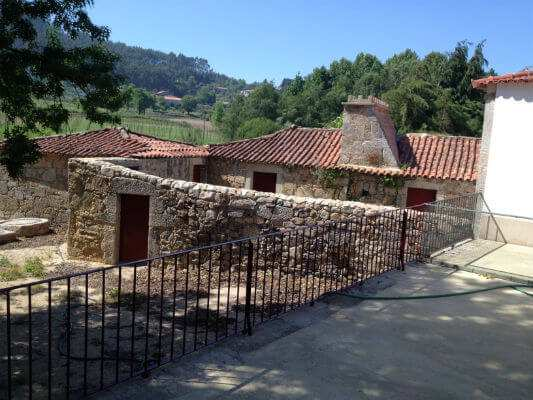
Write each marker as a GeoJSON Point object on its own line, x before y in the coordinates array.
{"type": "Point", "coordinates": [364, 161]}
{"type": "Point", "coordinates": [43, 189]}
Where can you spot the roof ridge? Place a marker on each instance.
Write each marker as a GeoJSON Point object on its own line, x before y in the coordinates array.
{"type": "Point", "coordinates": [273, 134]}
{"type": "Point", "coordinates": [440, 135]}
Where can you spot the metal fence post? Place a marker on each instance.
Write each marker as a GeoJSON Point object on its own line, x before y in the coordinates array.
{"type": "Point", "coordinates": [247, 306]}
{"type": "Point", "coordinates": [403, 240]}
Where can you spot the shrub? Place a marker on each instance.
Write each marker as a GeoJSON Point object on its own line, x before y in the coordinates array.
{"type": "Point", "coordinates": [256, 127]}
{"type": "Point", "coordinates": [34, 267]}
{"type": "Point", "coordinates": [9, 271]}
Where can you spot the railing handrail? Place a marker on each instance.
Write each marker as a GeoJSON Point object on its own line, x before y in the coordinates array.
{"type": "Point", "coordinates": [188, 250]}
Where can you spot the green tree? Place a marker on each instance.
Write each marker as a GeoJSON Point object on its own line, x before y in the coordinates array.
{"type": "Point", "coordinates": [144, 100]}
{"type": "Point", "coordinates": [188, 103]}
{"type": "Point", "coordinates": [401, 67]}
{"type": "Point", "coordinates": [234, 117]}
{"type": "Point", "coordinates": [262, 102]}
{"type": "Point", "coordinates": [256, 127]}
{"type": "Point", "coordinates": [411, 105]}
{"type": "Point", "coordinates": [34, 75]}
{"type": "Point", "coordinates": [217, 115]}
{"type": "Point", "coordinates": [206, 95]}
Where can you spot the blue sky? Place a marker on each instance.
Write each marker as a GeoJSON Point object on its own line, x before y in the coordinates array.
{"type": "Point", "coordinates": [272, 39]}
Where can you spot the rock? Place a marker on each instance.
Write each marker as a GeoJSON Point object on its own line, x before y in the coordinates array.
{"type": "Point", "coordinates": [7, 236]}
{"type": "Point", "coordinates": [27, 227]}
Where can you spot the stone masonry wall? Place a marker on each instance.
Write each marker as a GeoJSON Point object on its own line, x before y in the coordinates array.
{"type": "Point", "coordinates": [41, 192]}
{"type": "Point", "coordinates": [182, 214]}
{"type": "Point", "coordinates": [294, 181]}
{"type": "Point", "coordinates": [354, 186]}
{"type": "Point", "coordinates": [374, 189]}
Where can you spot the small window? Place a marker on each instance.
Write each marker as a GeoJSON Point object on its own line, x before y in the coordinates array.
{"type": "Point", "coordinates": [199, 173]}
{"type": "Point", "coordinates": [264, 182]}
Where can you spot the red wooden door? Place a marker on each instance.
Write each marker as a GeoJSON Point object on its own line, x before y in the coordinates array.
{"type": "Point", "coordinates": [416, 197]}
{"type": "Point", "coordinates": [264, 182]}
{"type": "Point", "coordinates": [134, 214]}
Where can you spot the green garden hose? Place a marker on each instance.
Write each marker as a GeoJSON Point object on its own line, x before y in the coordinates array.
{"type": "Point", "coordinates": [436, 296]}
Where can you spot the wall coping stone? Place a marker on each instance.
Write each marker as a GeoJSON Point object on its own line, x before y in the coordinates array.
{"type": "Point", "coordinates": [110, 167]}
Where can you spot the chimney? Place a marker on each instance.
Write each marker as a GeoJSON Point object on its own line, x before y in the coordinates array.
{"type": "Point", "coordinates": [368, 134]}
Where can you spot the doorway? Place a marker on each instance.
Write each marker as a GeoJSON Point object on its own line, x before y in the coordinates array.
{"type": "Point", "coordinates": [134, 216]}
{"type": "Point", "coordinates": [417, 197]}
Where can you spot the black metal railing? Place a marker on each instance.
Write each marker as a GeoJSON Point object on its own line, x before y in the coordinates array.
{"type": "Point", "coordinates": [70, 336]}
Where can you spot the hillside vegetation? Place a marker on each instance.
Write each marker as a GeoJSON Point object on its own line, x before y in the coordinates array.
{"type": "Point", "coordinates": [431, 93]}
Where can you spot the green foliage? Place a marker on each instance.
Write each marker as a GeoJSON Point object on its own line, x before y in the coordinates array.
{"type": "Point", "coordinates": [217, 114]}
{"type": "Point", "coordinates": [335, 123]}
{"type": "Point", "coordinates": [243, 113]}
{"type": "Point", "coordinates": [431, 93]}
{"type": "Point", "coordinates": [9, 271]}
{"type": "Point", "coordinates": [329, 178]}
{"type": "Point", "coordinates": [34, 267]}
{"type": "Point", "coordinates": [156, 70]}
{"type": "Point", "coordinates": [206, 95]}
{"type": "Point", "coordinates": [188, 104]}
{"type": "Point", "coordinates": [256, 127]}
{"type": "Point", "coordinates": [36, 70]}
{"type": "Point", "coordinates": [139, 99]}
{"type": "Point", "coordinates": [393, 182]}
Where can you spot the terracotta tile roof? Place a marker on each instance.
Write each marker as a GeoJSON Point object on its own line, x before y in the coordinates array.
{"type": "Point", "coordinates": [421, 155]}
{"type": "Point", "coordinates": [524, 76]}
{"type": "Point", "coordinates": [440, 157]}
{"type": "Point", "coordinates": [116, 142]}
{"type": "Point", "coordinates": [309, 147]}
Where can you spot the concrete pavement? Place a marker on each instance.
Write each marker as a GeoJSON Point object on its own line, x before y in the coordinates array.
{"type": "Point", "coordinates": [495, 259]}
{"type": "Point", "coordinates": [469, 347]}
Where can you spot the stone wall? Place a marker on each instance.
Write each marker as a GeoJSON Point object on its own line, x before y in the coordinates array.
{"type": "Point", "coordinates": [445, 188]}
{"type": "Point", "coordinates": [373, 189]}
{"type": "Point", "coordinates": [41, 192]}
{"type": "Point", "coordinates": [182, 214]}
{"type": "Point", "coordinates": [353, 186]}
{"type": "Point", "coordinates": [292, 181]}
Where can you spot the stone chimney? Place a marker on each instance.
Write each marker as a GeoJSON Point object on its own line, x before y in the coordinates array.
{"type": "Point", "coordinates": [368, 134]}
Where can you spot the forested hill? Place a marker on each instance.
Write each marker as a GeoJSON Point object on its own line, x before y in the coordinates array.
{"type": "Point", "coordinates": [156, 70]}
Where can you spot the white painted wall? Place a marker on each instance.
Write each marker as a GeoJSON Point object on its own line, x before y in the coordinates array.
{"type": "Point", "coordinates": [509, 180]}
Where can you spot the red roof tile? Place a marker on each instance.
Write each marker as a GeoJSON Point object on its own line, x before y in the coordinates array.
{"type": "Point", "coordinates": [439, 157]}
{"type": "Point", "coordinates": [421, 155]}
{"type": "Point", "coordinates": [309, 147]}
{"type": "Point", "coordinates": [524, 76]}
{"type": "Point", "coordinates": [116, 142]}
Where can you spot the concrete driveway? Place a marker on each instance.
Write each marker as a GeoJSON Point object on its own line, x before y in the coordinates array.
{"type": "Point", "coordinates": [469, 347]}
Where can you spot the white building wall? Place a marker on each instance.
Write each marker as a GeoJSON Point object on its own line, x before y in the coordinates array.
{"type": "Point", "coordinates": [509, 180]}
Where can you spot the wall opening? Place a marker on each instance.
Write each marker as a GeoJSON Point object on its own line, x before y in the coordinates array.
{"type": "Point", "coordinates": [134, 217]}
{"type": "Point", "coordinates": [416, 197]}
{"type": "Point", "coordinates": [199, 173]}
{"type": "Point", "coordinates": [264, 182]}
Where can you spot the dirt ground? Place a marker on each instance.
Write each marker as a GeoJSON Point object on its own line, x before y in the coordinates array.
{"type": "Point", "coordinates": [51, 249]}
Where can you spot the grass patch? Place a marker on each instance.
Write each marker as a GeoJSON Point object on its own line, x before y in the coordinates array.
{"type": "Point", "coordinates": [34, 267]}
{"type": "Point", "coordinates": [9, 271]}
